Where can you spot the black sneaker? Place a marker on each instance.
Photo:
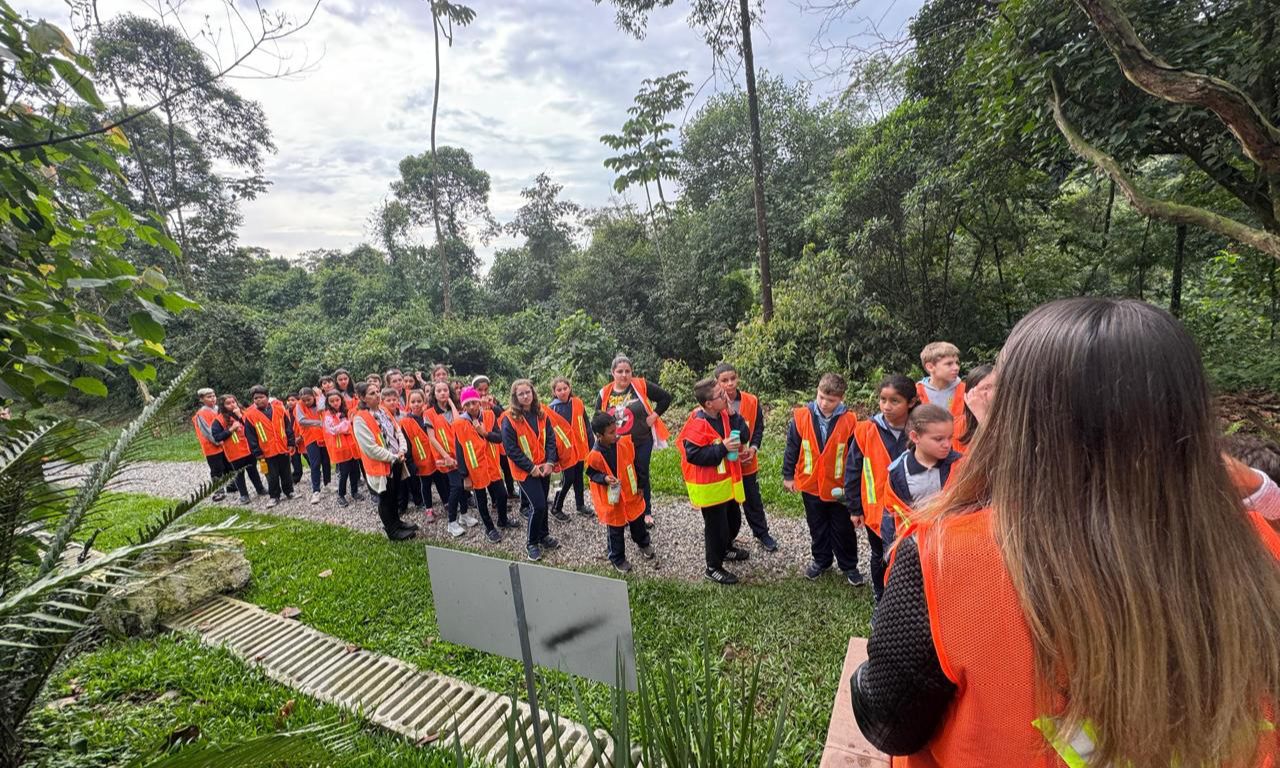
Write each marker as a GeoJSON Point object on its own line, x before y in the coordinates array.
{"type": "Point", "coordinates": [400, 534]}
{"type": "Point", "coordinates": [408, 526]}
{"type": "Point", "coordinates": [814, 571]}
{"type": "Point", "coordinates": [586, 511]}
{"type": "Point", "coordinates": [622, 567]}
{"type": "Point", "coordinates": [720, 576]}
{"type": "Point", "coordinates": [533, 552]}
{"type": "Point", "coordinates": [244, 499]}
{"type": "Point", "coordinates": [768, 543]}
{"type": "Point", "coordinates": [550, 543]}
{"type": "Point", "coordinates": [342, 501]}
{"type": "Point", "coordinates": [219, 496]}
{"type": "Point", "coordinates": [648, 552]}
{"type": "Point", "coordinates": [855, 578]}
{"type": "Point", "coordinates": [510, 524]}
{"type": "Point", "coordinates": [560, 515]}
{"type": "Point", "coordinates": [493, 535]}
{"type": "Point", "coordinates": [736, 555]}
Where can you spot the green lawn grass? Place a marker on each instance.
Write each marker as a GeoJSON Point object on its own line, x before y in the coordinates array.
{"type": "Point", "coordinates": [124, 700]}
{"type": "Point", "coordinates": [379, 597]}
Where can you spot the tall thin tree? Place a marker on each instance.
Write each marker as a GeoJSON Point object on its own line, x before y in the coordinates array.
{"type": "Point", "coordinates": [444, 15]}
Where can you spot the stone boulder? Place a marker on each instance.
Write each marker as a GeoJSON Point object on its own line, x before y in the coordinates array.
{"type": "Point", "coordinates": [174, 583]}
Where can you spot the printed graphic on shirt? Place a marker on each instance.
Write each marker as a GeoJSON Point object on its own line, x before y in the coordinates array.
{"type": "Point", "coordinates": [621, 407]}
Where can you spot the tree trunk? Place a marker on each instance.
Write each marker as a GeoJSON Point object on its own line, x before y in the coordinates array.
{"type": "Point", "coordinates": [1179, 257]}
{"type": "Point", "coordinates": [446, 304]}
{"type": "Point", "coordinates": [757, 164]}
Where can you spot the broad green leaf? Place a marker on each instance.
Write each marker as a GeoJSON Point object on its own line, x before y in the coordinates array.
{"type": "Point", "coordinates": [146, 326]}
{"type": "Point", "coordinates": [89, 386]}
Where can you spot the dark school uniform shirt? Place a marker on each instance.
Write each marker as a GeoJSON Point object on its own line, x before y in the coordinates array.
{"type": "Point", "coordinates": [711, 455]}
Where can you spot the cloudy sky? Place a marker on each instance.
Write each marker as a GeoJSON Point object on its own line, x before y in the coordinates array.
{"type": "Point", "coordinates": [530, 86]}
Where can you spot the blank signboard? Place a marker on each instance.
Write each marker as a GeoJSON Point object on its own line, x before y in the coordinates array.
{"type": "Point", "coordinates": [577, 622]}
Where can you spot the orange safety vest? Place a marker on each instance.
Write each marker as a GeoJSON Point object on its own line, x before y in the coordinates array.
{"type": "Point", "coordinates": [270, 432]}
{"type": "Point", "coordinates": [493, 420]}
{"type": "Point", "coordinates": [341, 447]}
{"type": "Point", "coordinates": [660, 431]}
{"type": "Point", "coordinates": [566, 453]}
{"type": "Point", "coordinates": [748, 408]}
{"type": "Point", "coordinates": [983, 643]}
{"type": "Point", "coordinates": [708, 486]}
{"type": "Point", "coordinates": [875, 472]}
{"type": "Point", "coordinates": [957, 413]}
{"type": "Point", "coordinates": [206, 416]}
{"type": "Point", "coordinates": [309, 434]}
{"type": "Point", "coordinates": [235, 447]}
{"type": "Point", "coordinates": [424, 459]}
{"type": "Point", "coordinates": [630, 503]}
{"type": "Point", "coordinates": [531, 444]}
{"type": "Point", "coordinates": [578, 428]}
{"type": "Point", "coordinates": [818, 472]}
{"type": "Point", "coordinates": [444, 433]}
{"type": "Point", "coordinates": [482, 467]}
{"type": "Point", "coordinates": [372, 467]}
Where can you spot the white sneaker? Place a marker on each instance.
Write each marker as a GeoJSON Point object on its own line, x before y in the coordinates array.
{"type": "Point", "coordinates": [315, 497]}
{"type": "Point", "coordinates": [470, 519]}
{"type": "Point", "coordinates": [455, 529]}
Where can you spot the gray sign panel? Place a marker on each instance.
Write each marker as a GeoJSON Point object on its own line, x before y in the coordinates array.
{"type": "Point", "coordinates": [576, 622]}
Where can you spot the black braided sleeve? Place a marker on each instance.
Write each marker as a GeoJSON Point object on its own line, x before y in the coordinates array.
{"type": "Point", "coordinates": [900, 694]}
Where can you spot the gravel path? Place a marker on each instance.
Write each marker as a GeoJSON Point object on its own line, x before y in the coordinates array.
{"type": "Point", "coordinates": [677, 535]}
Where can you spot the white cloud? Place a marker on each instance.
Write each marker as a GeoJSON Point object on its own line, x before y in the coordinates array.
{"type": "Point", "coordinates": [529, 87]}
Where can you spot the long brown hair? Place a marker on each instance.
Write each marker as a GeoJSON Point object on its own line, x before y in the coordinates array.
{"type": "Point", "coordinates": [1153, 606]}
{"type": "Point", "coordinates": [513, 408]}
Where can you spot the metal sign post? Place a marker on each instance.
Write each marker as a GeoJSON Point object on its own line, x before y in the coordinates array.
{"type": "Point", "coordinates": [572, 622]}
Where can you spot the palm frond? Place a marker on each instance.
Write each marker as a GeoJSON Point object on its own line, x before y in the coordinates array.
{"type": "Point", "coordinates": [106, 468]}
{"type": "Point", "coordinates": [332, 743]}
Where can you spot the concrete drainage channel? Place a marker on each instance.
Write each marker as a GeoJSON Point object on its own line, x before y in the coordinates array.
{"type": "Point", "coordinates": [387, 691]}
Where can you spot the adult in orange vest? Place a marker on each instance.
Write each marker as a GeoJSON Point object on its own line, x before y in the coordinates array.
{"type": "Point", "coordinates": [310, 423]}
{"type": "Point", "coordinates": [1064, 603]}
{"type": "Point", "coordinates": [711, 456]}
{"type": "Point", "coordinates": [877, 442]}
{"type": "Point", "coordinates": [747, 406]}
{"type": "Point", "coordinates": [531, 449]}
{"type": "Point", "coordinates": [230, 432]}
{"type": "Point", "coordinates": [478, 469]}
{"type": "Point", "coordinates": [615, 490]}
{"type": "Point", "coordinates": [340, 444]}
{"type": "Point", "coordinates": [202, 421]}
{"type": "Point", "coordinates": [270, 435]}
{"type": "Point", "coordinates": [577, 427]}
{"type": "Point", "coordinates": [637, 405]}
{"type": "Point", "coordinates": [942, 385]}
{"type": "Point", "coordinates": [383, 448]}
{"type": "Point", "coordinates": [820, 440]}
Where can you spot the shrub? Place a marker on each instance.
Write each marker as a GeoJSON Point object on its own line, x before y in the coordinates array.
{"type": "Point", "coordinates": [678, 379]}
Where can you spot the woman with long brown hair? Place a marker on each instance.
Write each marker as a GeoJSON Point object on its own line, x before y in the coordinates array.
{"type": "Point", "coordinates": [1090, 590]}
{"type": "Point", "coordinates": [531, 449]}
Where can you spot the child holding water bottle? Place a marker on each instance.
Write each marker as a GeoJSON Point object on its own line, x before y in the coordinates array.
{"type": "Point", "coordinates": [615, 490]}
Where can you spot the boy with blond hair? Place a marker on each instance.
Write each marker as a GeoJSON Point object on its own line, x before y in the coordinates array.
{"type": "Point", "coordinates": [941, 385]}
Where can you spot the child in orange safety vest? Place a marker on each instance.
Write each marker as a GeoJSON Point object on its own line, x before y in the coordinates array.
{"type": "Point", "coordinates": [203, 420]}
{"type": "Point", "coordinates": [711, 455]}
{"type": "Point", "coordinates": [615, 490]}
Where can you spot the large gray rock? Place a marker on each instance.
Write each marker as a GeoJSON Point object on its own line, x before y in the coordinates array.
{"type": "Point", "coordinates": [176, 583]}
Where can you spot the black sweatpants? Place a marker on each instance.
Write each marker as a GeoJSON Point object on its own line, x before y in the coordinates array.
{"type": "Point", "coordinates": [831, 533]}
{"type": "Point", "coordinates": [617, 546]}
{"type": "Point", "coordinates": [389, 501]}
{"type": "Point", "coordinates": [249, 465]}
{"type": "Point", "coordinates": [318, 461]}
{"type": "Point", "coordinates": [717, 522]}
{"type": "Point", "coordinates": [753, 507]}
{"type": "Point", "coordinates": [219, 468]}
{"type": "Point", "coordinates": [571, 478]}
{"type": "Point", "coordinates": [279, 476]}
{"type": "Point", "coordinates": [878, 564]}
{"type": "Point", "coordinates": [536, 489]}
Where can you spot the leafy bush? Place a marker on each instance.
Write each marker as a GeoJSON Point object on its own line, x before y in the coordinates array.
{"type": "Point", "coordinates": [678, 379]}
{"type": "Point", "coordinates": [1235, 322]}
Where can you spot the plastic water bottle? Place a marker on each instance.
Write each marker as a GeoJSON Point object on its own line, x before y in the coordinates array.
{"type": "Point", "coordinates": [733, 435]}
{"type": "Point", "coordinates": [615, 493]}
{"type": "Point", "coordinates": [837, 492]}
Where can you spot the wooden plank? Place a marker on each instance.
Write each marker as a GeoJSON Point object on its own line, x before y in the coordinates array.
{"type": "Point", "coordinates": [846, 746]}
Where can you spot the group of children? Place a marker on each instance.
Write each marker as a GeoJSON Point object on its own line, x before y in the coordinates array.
{"type": "Point", "coordinates": [409, 438]}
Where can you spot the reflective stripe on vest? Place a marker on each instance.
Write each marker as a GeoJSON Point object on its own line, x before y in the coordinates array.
{"type": "Point", "coordinates": [564, 439]}
{"type": "Point", "coordinates": [472, 461]}
{"type": "Point", "coordinates": [808, 457]}
{"type": "Point", "coordinates": [262, 432]}
{"type": "Point", "coordinates": [1077, 747]}
{"type": "Point", "coordinates": [524, 446]}
{"type": "Point", "coordinates": [419, 451]}
{"type": "Point", "coordinates": [839, 465]}
{"type": "Point", "coordinates": [631, 477]}
{"type": "Point", "coordinates": [868, 480]}
{"type": "Point", "coordinates": [710, 494]}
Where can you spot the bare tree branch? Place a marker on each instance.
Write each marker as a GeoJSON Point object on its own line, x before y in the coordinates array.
{"type": "Point", "coordinates": [1175, 213]}
{"type": "Point", "coordinates": [1259, 139]}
